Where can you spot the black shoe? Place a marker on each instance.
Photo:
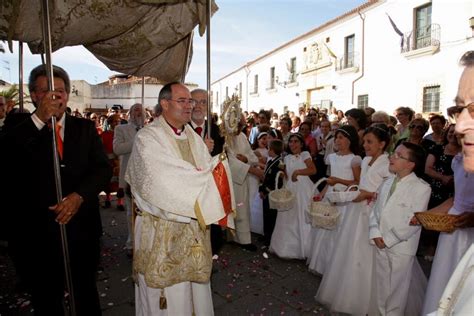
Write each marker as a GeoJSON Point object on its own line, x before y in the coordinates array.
{"type": "Point", "coordinates": [120, 208]}
{"type": "Point", "coordinates": [107, 204]}
{"type": "Point", "coordinates": [249, 247]}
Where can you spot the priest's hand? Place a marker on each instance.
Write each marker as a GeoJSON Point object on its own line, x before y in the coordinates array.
{"type": "Point", "coordinates": [67, 208]}
{"type": "Point", "coordinates": [209, 143]}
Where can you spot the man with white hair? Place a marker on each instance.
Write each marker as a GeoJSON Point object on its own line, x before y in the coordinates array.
{"type": "Point", "coordinates": [215, 144]}
{"type": "Point", "coordinates": [124, 136]}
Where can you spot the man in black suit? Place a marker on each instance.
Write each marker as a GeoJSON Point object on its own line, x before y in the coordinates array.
{"type": "Point", "coordinates": [31, 209]}
{"type": "Point", "coordinates": [215, 144]}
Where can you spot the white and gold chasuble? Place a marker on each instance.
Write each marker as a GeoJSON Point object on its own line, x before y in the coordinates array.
{"type": "Point", "coordinates": [173, 185]}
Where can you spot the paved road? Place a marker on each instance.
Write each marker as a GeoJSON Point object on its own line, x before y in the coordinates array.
{"type": "Point", "coordinates": [243, 283]}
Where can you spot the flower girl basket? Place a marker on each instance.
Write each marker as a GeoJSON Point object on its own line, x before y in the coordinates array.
{"type": "Point", "coordinates": [437, 222]}
{"type": "Point", "coordinates": [322, 213]}
{"type": "Point", "coordinates": [347, 195]}
{"type": "Point", "coordinates": [281, 199]}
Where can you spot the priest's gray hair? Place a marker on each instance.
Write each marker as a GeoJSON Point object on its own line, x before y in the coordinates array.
{"type": "Point", "coordinates": [165, 94]}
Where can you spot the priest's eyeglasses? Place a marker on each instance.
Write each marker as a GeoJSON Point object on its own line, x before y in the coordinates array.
{"type": "Point", "coordinates": [183, 101]}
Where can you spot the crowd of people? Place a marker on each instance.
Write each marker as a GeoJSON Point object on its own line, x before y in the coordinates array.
{"type": "Point", "coordinates": [398, 165]}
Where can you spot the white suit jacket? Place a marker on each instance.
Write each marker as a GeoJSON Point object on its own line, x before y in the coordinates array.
{"type": "Point", "coordinates": [390, 217]}
{"type": "Point", "coordinates": [124, 135]}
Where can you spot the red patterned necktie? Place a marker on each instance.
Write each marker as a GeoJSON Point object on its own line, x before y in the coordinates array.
{"type": "Point", "coordinates": [59, 140]}
{"type": "Point", "coordinates": [198, 130]}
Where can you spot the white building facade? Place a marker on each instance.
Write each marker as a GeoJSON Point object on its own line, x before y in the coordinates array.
{"type": "Point", "coordinates": [358, 59]}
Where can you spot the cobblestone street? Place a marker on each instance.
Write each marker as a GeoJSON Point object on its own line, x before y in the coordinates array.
{"type": "Point", "coordinates": [243, 283]}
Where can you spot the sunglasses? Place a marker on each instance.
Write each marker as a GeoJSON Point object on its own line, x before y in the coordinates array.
{"type": "Point", "coordinates": [418, 127]}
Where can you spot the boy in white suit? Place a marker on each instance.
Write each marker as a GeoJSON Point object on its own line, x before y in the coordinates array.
{"type": "Point", "coordinates": [399, 197]}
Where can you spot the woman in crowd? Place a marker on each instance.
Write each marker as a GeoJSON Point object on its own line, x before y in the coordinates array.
{"type": "Point", "coordinates": [291, 231]}
{"type": "Point", "coordinates": [285, 126]}
{"type": "Point", "coordinates": [325, 144]}
{"type": "Point", "coordinates": [346, 283]}
{"type": "Point", "coordinates": [358, 119]}
{"type": "Point", "coordinates": [310, 142]}
{"type": "Point", "coordinates": [437, 123]}
{"type": "Point", "coordinates": [440, 176]}
{"type": "Point", "coordinates": [418, 128]}
{"type": "Point", "coordinates": [107, 141]}
{"type": "Point", "coordinates": [345, 171]}
{"type": "Point", "coordinates": [404, 116]}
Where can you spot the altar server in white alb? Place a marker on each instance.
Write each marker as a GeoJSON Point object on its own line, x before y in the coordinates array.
{"type": "Point", "coordinates": [396, 241]}
{"type": "Point", "coordinates": [243, 163]}
{"type": "Point", "coordinates": [179, 190]}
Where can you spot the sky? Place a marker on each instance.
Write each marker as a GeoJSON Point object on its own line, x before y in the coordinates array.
{"type": "Point", "coordinates": [241, 30]}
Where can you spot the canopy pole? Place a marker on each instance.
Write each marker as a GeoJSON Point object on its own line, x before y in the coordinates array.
{"type": "Point", "coordinates": [143, 92]}
{"type": "Point", "coordinates": [208, 62]}
{"type": "Point", "coordinates": [49, 69]}
{"type": "Point", "coordinates": [20, 76]}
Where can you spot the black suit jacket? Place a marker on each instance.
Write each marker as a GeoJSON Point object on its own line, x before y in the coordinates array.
{"type": "Point", "coordinates": [216, 137]}
{"type": "Point", "coordinates": [28, 187]}
{"type": "Point", "coordinates": [271, 170]}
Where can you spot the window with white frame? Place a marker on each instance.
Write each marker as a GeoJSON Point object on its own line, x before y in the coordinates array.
{"type": "Point", "coordinates": [292, 70]}
{"type": "Point", "coordinates": [423, 26]}
{"type": "Point", "coordinates": [349, 51]}
{"type": "Point", "coordinates": [255, 84]}
{"type": "Point", "coordinates": [271, 84]}
{"type": "Point", "coordinates": [363, 101]}
{"type": "Point", "coordinates": [431, 99]}
{"type": "Point", "coordinates": [240, 90]}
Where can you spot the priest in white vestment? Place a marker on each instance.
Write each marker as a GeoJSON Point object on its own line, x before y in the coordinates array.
{"type": "Point", "coordinates": [242, 162]}
{"type": "Point", "coordinates": [179, 190]}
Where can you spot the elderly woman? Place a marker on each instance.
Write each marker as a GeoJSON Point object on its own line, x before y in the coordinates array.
{"type": "Point", "coordinates": [404, 116]}
{"type": "Point", "coordinates": [418, 128]}
{"type": "Point", "coordinates": [437, 122]}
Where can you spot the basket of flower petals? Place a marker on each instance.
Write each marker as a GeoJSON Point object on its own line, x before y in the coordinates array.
{"type": "Point", "coordinates": [437, 221]}
{"type": "Point", "coordinates": [349, 194]}
{"type": "Point", "coordinates": [281, 199]}
{"type": "Point", "coordinates": [323, 214]}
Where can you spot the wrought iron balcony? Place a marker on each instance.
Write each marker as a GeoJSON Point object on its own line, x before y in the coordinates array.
{"type": "Point", "coordinates": [428, 36]}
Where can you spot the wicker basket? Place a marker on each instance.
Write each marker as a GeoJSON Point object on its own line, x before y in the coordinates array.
{"type": "Point", "coordinates": [343, 196]}
{"type": "Point", "coordinates": [436, 221]}
{"type": "Point", "coordinates": [281, 199]}
{"type": "Point", "coordinates": [322, 213]}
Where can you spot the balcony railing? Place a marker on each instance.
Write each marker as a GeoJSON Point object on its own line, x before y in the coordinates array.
{"type": "Point", "coordinates": [428, 36]}
{"type": "Point", "coordinates": [349, 61]}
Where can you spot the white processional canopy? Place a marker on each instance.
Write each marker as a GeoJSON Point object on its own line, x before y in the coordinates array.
{"type": "Point", "coordinates": [135, 37]}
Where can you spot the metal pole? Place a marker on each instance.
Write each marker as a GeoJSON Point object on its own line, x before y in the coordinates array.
{"type": "Point", "coordinates": [20, 76]}
{"type": "Point", "coordinates": [143, 101]}
{"type": "Point", "coordinates": [57, 172]}
{"type": "Point", "coordinates": [208, 62]}
{"type": "Point", "coordinates": [143, 92]}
